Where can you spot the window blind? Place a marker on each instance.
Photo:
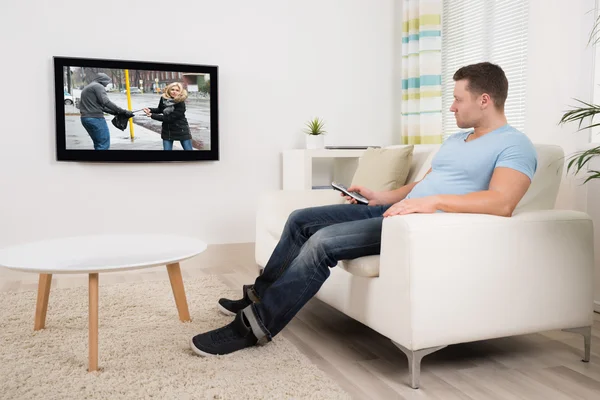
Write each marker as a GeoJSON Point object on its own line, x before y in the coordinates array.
{"type": "Point", "coordinates": [485, 30]}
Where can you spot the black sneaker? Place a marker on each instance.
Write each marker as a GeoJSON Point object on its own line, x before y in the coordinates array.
{"type": "Point", "coordinates": [233, 337]}
{"type": "Point", "coordinates": [232, 307]}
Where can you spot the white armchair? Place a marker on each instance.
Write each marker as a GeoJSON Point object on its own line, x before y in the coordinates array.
{"type": "Point", "coordinates": [444, 278]}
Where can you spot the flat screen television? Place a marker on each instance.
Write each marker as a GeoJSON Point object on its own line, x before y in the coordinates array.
{"type": "Point", "coordinates": [138, 111]}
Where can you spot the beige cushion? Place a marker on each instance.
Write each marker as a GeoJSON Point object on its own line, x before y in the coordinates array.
{"type": "Point", "coordinates": [383, 169]}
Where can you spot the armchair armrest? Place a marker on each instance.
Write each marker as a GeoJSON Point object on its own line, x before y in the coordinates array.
{"type": "Point", "coordinates": [480, 276]}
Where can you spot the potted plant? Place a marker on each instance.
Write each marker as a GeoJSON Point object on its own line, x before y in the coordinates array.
{"type": "Point", "coordinates": [579, 160]}
{"type": "Point", "coordinates": [314, 134]}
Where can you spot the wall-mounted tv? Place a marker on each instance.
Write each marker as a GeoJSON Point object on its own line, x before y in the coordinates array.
{"type": "Point", "coordinates": [117, 110]}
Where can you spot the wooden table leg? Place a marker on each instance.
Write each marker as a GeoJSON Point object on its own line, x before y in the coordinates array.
{"type": "Point", "coordinates": [178, 291]}
{"type": "Point", "coordinates": [42, 301]}
{"type": "Point", "coordinates": [93, 324]}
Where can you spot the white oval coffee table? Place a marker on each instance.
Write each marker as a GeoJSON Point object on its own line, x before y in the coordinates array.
{"type": "Point", "coordinates": [101, 253]}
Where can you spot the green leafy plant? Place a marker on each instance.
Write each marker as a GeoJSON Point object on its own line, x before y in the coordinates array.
{"type": "Point", "coordinates": [204, 87]}
{"type": "Point", "coordinates": [315, 127]}
{"type": "Point", "coordinates": [579, 160]}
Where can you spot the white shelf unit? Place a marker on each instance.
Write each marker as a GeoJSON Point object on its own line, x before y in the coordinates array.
{"type": "Point", "coordinates": [298, 171]}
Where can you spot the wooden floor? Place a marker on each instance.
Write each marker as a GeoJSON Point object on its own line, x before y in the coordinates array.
{"type": "Point", "coordinates": [540, 366]}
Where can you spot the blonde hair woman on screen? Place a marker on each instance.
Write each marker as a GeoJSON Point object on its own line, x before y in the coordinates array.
{"type": "Point", "coordinates": [171, 111]}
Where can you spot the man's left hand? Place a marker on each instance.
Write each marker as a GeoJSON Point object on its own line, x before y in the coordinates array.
{"type": "Point", "coordinates": [423, 205]}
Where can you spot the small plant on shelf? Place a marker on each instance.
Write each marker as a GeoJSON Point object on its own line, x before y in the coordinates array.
{"type": "Point", "coordinates": [315, 127]}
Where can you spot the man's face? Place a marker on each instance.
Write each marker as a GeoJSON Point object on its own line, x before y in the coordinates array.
{"type": "Point", "coordinates": [466, 106]}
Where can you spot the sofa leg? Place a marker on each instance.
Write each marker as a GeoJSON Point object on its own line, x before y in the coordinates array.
{"type": "Point", "coordinates": [586, 331]}
{"type": "Point", "coordinates": [414, 362]}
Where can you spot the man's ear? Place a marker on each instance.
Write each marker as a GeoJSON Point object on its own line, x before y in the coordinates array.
{"type": "Point", "coordinates": [486, 100]}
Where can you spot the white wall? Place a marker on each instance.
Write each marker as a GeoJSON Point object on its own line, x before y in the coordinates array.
{"type": "Point", "coordinates": [280, 63]}
{"type": "Point", "coordinates": [593, 209]}
{"type": "Point", "coordinates": [560, 69]}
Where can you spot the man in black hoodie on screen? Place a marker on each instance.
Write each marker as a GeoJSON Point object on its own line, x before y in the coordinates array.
{"type": "Point", "coordinates": [94, 103]}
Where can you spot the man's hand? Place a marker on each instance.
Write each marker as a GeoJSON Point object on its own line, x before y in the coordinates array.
{"type": "Point", "coordinates": [423, 205]}
{"type": "Point", "coordinates": [368, 193]}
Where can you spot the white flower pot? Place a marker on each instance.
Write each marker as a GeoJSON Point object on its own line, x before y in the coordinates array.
{"type": "Point", "coordinates": [315, 141]}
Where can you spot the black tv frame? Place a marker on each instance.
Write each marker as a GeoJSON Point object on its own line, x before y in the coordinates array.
{"type": "Point", "coordinates": [64, 154]}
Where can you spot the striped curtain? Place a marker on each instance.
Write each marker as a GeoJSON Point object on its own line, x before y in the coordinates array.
{"type": "Point", "coordinates": [421, 72]}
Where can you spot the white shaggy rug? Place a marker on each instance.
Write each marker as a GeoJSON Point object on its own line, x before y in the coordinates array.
{"type": "Point", "coordinates": [143, 349]}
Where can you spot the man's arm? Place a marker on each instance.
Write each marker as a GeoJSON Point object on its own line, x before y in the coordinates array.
{"type": "Point", "coordinates": [105, 102]}
{"type": "Point", "coordinates": [394, 196]}
{"type": "Point", "coordinates": [388, 197]}
{"type": "Point", "coordinates": [507, 188]}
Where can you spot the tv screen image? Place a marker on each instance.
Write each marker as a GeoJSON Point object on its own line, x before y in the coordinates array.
{"type": "Point", "coordinates": [117, 110]}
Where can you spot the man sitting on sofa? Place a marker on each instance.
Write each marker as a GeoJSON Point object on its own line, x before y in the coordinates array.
{"type": "Point", "coordinates": [486, 170]}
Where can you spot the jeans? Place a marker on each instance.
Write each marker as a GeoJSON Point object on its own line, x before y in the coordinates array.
{"type": "Point", "coordinates": [186, 144]}
{"type": "Point", "coordinates": [97, 128]}
{"type": "Point", "coordinates": [313, 240]}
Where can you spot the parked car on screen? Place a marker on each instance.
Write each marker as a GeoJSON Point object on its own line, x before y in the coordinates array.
{"type": "Point", "coordinates": [132, 90]}
{"type": "Point", "coordinates": [68, 99]}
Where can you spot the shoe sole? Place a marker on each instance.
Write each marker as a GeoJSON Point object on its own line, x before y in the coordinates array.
{"type": "Point", "coordinates": [225, 311]}
{"type": "Point", "coordinates": [198, 351]}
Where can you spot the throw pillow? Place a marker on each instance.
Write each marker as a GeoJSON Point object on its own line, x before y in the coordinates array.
{"type": "Point", "coordinates": [383, 169]}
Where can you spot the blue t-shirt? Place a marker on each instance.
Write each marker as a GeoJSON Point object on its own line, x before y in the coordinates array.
{"type": "Point", "coordinates": [461, 167]}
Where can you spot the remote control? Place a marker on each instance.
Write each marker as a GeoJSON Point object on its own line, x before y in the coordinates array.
{"type": "Point", "coordinates": [357, 196]}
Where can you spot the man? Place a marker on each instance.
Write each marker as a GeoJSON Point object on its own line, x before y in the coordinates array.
{"type": "Point", "coordinates": [486, 170]}
{"type": "Point", "coordinates": [94, 103]}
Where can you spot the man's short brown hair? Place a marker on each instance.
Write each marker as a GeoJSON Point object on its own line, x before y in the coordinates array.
{"type": "Point", "coordinates": [487, 78]}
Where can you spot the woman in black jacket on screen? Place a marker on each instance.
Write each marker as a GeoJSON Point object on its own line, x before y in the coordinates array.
{"type": "Point", "coordinates": [171, 111]}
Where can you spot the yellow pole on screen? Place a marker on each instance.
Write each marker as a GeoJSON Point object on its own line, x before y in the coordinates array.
{"type": "Point", "coordinates": [128, 92]}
